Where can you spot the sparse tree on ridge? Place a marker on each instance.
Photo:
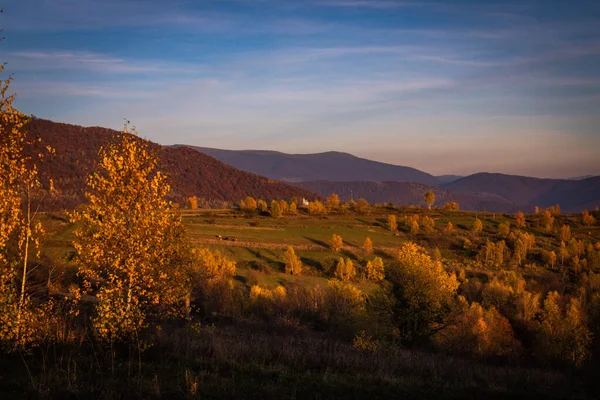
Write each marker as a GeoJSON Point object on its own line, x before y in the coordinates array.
{"type": "Point", "coordinates": [429, 199]}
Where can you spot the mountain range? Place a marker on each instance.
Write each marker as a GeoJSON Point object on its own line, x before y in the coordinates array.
{"type": "Point", "coordinates": [228, 175]}
{"type": "Point", "coordinates": [351, 176]}
{"type": "Point", "coordinates": [329, 166]}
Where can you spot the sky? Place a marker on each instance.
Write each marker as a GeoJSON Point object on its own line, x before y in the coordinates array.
{"type": "Point", "coordinates": [449, 87]}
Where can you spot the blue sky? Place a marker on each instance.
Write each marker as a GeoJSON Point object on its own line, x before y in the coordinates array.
{"type": "Point", "coordinates": [451, 87]}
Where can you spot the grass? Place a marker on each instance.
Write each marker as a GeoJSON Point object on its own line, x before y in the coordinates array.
{"type": "Point", "coordinates": [250, 360]}
{"type": "Point", "coordinates": [248, 357]}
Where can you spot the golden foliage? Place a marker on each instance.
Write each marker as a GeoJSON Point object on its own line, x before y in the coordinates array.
{"type": "Point", "coordinates": [565, 233]}
{"type": "Point", "coordinates": [520, 219]}
{"type": "Point", "coordinates": [345, 270]}
{"type": "Point", "coordinates": [587, 219]}
{"type": "Point", "coordinates": [248, 205]}
{"type": "Point", "coordinates": [424, 292]}
{"type": "Point", "coordinates": [365, 343]}
{"type": "Point", "coordinates": [368, 246]}
{"type": "Point", "coordinates": [128, 238]}
{"type": "Point", "coordinates": [284, 206]}
{"type": "Point", "coordinates": [333, 202]}
{"type": "Point", "coordinates": [275, 209]}
{"type": "Point", "coordinates": [392, 223]}
{"type": "Point", "coordinates": [547, 220]}
{"type": "Point", "coordinates": [316, 208]}
{"type": "Point", "coordinates": [292, 262]}
{"type": "Point", "coordinates": [451, 206]}
{"type": "Point", "coordinates": [429, 199]}
{"type": "Point", "coordinates": [374, 270]}
{"type": "Point", "coordinates": [563, 334]}
{"type": "Point", "coordinates": [193, 202]}
{"type": "Point", "coordinates": [343, 298]}
{"type": "Point", "coordinates": [480, 331]}
{"type": "Point", "coordinates": [21, 194]}
{"type": "Point", "coordinates": [428, 224]}
{"type": "Point", "coordinates": [477, 225]}
{"type": "Point", "coordinates": [336, 243]}
{"type": "Point", "coordinates": [293, 208]}
{"type": "Point", "coordinates": [362, 206]}
{"type": "Point", "coordinates": [261, 205]}
{"type": "Point", "coordinates": [504, 229]}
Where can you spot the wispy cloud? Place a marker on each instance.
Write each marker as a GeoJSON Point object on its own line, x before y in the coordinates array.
{"type": "Point", "coordinates": [94, 62]}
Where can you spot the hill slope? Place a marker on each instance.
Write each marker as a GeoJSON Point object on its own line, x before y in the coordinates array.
{"type": "Point", "coordinates": [191, 172]}
{"type": "Point", "coordinates": [329, 166]}
{"type": "Point", "coordinates": [526, 192]}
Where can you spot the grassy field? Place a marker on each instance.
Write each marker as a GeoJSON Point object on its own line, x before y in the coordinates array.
{"type": "Point", "coordinates": [250, 355]}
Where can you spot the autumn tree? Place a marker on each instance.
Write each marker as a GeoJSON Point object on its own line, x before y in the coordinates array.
{"type": "Point", "coordinates": [423, 293]}
{"type": "Point", "coordinates": [275, 209]}
{"type": "Point", "coordinates": [21, 193]}
{"type": "Point", "coordinates": [547, 220]}
{"type": "Point", "coordinates": [413, 223]}
{"type": "Point", "coordinates": [262, 206]}
{"type": "Point", "coordinates": [127, 238]}
{"type": "Point", "coordinates": [392, 223]}
{"type": "Point", "coordinates": [248, 205]}
{"type": "Point", "coordinates": [368, 246]}
{"type": "Point", "coordinates": [292, 262]}
{"type": "Point", "coordinates": [345, 270]}
{"type": "Point", "coordinates": [477, 225]}
{"type": "Point", "coordinates": [208, 279]}
{"type": "Point", "coordinates": [336, 242]}
{"type": "Point", "coordinates": [563, 335]}
{"type": "Point", "coordinates": [480, 331]}
{"type": "Point", "coordinates": [374, 270]}
{"type": "Point", "coordinates": [520, 219]}
{"type": "Point", "coordinates": [451, 206]}
{"type": "Point", "coordinates": [429, 199]}
{"type": "Point", "coordinates": [362, 206]}
{"type": "Point", "coordinates": [333, 202]}
{"type": "Point", "coordinates": [316, 208]}
{"type": "Point", "coordinates": [587, 219]}
{"type": "Point", "coordinates": [504, 229]}
{"type": "Point", "coordinates": [428, 224]}
{"type": "Point", "coordinates": [565, 233]}
{"type": "Point", "coordinates": [449, 227]}
{"type": "Point", "coordinates": [293, 208]}
{"type": "Point", "coordinates": [193, 202]}
{"type": "Point", "coordinates": [285, 208]}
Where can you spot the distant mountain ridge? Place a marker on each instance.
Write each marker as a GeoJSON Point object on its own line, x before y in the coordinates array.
{"type": "Point", "coordinates": [527, 192]}
{"type": "Point", "coordinates": [194, 173]}
{"type": "Point", "coordinates": [329, 166]}
{"type": "Point", "coordinates": [342, 173]}
{"type": "Point", "coordinates": [190, 172]}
